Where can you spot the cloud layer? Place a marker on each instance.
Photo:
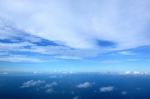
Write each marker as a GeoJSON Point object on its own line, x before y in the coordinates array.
{"type": "Point", "coordinates": [72, 29]}
{"type": "Point", "coordinates": [80, 25]}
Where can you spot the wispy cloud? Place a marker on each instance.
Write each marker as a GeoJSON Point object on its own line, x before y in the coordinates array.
{"type": "Point", "coordinates": [61, 18]}
{"type": "Point", "coordinates": [84, 85]}
{"type": "Point", "coordinates": [115, 23]}
{"type": "Point", "coordinates": [61, 30]}
{"type": "Point", "coordinates": [106, 89]}
{"type": "Point", "coordinates": [22, 42]}
{"type": "Point", "coordinates": [41, 85]}
{"type": "Point", "coordinates": [20, 58]}
{"type": "Point", "coordinates": [51, 85]}
{"type": "Point", "coordinates": [50, 90]}
{"type": "Point", "coordinates": [31, 83]}
{"type": "Point", "coordinates": [76, 97]}
{"type": "Point", "coordinates": [125, 53]}
{"type": "Point", "coordinates": [124, 92]}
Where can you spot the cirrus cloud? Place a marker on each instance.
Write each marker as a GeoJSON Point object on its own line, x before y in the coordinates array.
{"type": "Point", "coordinates": [73, 30]}
{"type": "Point", "coordinates": [65, 21]}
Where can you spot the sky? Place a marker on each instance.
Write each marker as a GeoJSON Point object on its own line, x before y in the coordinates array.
{"type": "Point", "coordinates": [75, 35]}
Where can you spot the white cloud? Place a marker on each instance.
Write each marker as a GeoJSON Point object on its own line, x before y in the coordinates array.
{"type": "Point", "coordinates": [51, 85]}
{"type": "Point", "coordinates": [32, 83]}
{"type": "Point", "coordinates": [78, 25]}
{"type": "Point", "coordinates": [41, 85]}
{"type": "Point", "coordinates": [136, 73]}
{"type": "Point", "coordinates": [123, 92]}
{"type": "Point", "coordinates": [57, 52]}
{"type": "Point", "coordinates": [74, 24]}
{"type": "Point", "coordinates": [110, 61]}
{"type": "Point", "coordinates": [125, 53]}
{"type": "Point", "coordinates": [76, 97]}
{"type": "Point", "coordinates": [72, 92]}
{"type": "Point", "coordinates": [50, 90]}
{"type": "Point", "coordinates": [84, 85]}
{"type": "Point", "coordinates": [106, 89]}
{"type": "Point", "coordinates": [69, 57]}
{"type": "Point", "coordinates": [20, 58]}
{"type": "Point", "coordinates": [138, 89]}
{"type": "Point", "coordinates": [28, 45]}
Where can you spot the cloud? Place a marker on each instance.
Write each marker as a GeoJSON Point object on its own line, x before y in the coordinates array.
{"type": "Point", "coordinates": [41, 85]}
{"type": "Point", "coordinates": [112, 21]}
{"type": "Point", "coordinates": [50, 90]}
{"type": "Point", "coordinates": [32, 83]}
{"type": "Point", "coordinates": [138, 89]}
{"type": "Point", "coordinates": [23, 43]}
{"type": "Point", "coordinates": [20, 58]}
{"type": "Point", "coordinates": [125, 53]}
{"type": "Point", "coordinates": [69, 57]}
{"type": "Point", "coordinates": [51, 85]}
{"type": "Point", "coordinates": [110, 61]}
{"type": "Point", "coordinates": [76, 97]}
{"type": "Point", "coordinates": [106, 89]}
{"type": "Point", "coordinates": [123, 92]}
{"type": "Point", "coordinates": [136, 73]}
{"type": "Point", "coordinates": [84, 85]}
{"type": "Point", "coordinates": [62, 29]}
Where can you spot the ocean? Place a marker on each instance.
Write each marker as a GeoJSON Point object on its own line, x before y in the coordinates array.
{"type": "Point", "coordinates": [74, 86]}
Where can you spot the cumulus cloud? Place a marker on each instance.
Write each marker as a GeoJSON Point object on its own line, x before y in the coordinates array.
{"type": "Point", "coordinates": [84, 85]}
{"type": "Point", "coordinates": [138, 89]}
{"type": "Point", "coordinates": [51, 85]}
{"type": "Point", "coordinates": [124, 92]}
{"type": "Point", "coordinates": [32, 83]}
{"type": "Point", "coordinates": [50, 90]}
{"type": "Point", "coordinates": [76, 97]}
{"type": "Point", "coordinates": [106, 89]}
{"type": "Point", "coordinates": [41, 85]}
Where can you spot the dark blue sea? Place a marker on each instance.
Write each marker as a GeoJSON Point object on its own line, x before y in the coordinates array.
{"type": "Point", "coordinates": [74, 86]}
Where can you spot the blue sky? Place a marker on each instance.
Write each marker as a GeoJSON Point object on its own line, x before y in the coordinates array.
{"type": "Point", "coordinates": [80, 35]}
